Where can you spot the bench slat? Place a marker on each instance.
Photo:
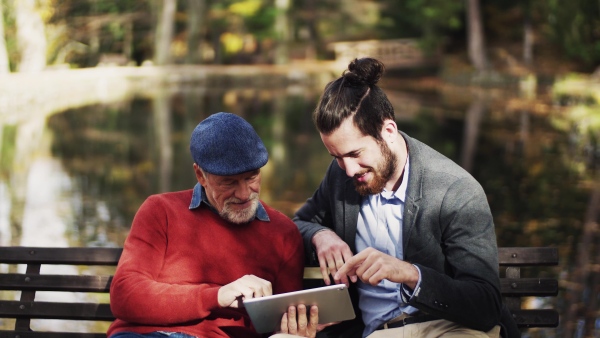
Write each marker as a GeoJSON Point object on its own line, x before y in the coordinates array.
{"type": "Point", "coordinates": [536, 318]}
{"type": "Point", "coordinates": [30, 334]}
{"type": "Point", "coordinates": [52, 310]}
{"type": "Point", "coordinates": [521, 256]}
{"type": "Point", "coordinates": [529, 287]}
{"type": "Point", "coordinates": [70, 256]}
{"type": "Point", "coordinates": [30, 282]}
{"type": "Point", "coordinates": [68, 283]}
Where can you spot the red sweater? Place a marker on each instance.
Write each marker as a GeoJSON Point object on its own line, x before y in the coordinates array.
{"type": "Point", "coordinates": [175, 260]}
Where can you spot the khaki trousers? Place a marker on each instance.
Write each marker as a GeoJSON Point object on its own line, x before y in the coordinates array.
{"type": "Point", "coordinates": [434, 329]}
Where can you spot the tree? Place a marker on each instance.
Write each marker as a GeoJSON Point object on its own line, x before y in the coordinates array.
{"type": "Point", "coordinates": [4, 65]}
{"type": "Point", "coordinates": [282, 31]}
{"type": "Point", "coordinates": [527, 34]}
{"type": "Point", "coordinates": [30, 36]}
{"type": "Point", "coordinates": [573, 25]}
{"type": "Point", "coordinates": [582, 272]}
{"type": "Point", "coordinates": [475, 36]}
{"type": "Point", "coordinates": [164, 32]}
{"type": "Point", "coordinates": [195, 21]}
{"type": "Point", "coordinates": [430, 21]}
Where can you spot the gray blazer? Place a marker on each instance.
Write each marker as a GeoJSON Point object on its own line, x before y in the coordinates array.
{"type": "Point", "coordinates": [448, 232]}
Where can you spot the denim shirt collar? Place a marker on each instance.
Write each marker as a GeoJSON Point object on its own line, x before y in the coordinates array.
{"type": "Point", "coordinates": [198, 196]}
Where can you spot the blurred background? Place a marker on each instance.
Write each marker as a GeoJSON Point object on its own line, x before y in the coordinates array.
{"type": "Point", "coordinates": [98, 99]}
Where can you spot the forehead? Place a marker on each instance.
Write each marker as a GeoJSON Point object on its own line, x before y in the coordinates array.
{"type": "Point", "coordinates": [242, 176]}
{"type": "Point", "coordinates": [346, 139]}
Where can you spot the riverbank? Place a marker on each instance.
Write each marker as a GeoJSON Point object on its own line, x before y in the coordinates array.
{"type": "Point", "coordinates": [25, 95]}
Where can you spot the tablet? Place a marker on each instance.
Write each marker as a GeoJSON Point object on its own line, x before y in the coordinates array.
{"type": "Point", "coordinates": [333, 302]}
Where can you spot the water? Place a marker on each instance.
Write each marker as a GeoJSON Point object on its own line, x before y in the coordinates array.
{"type": "Point", "coordinates": [87, 170]}
{"type": "Point", "coordinates": [78, 177]}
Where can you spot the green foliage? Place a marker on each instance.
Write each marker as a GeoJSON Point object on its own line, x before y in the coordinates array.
{"type": "Point", "coordinates": [430, 20]}
{"type": "Point", "coordinates": [10, 34]}
{"type": "Point", "coordinates": [79, 31]}
{"type": "Point", "coordinates": [574, 25]}
{"type": "Point", "coordinates": [7, 149]}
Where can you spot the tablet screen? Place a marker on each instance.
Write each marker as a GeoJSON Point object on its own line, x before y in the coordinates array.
{"type": "Point", "coordinates": [333, 302]}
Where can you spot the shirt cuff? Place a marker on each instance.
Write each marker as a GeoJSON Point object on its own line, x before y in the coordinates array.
{"type": "Point", "coordinates": [406, 292]}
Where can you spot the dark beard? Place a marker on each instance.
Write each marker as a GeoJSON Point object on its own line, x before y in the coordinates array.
{"type": "Point", "coordinates": [382, 174]}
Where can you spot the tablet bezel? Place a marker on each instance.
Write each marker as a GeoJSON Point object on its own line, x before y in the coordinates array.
{"type": "Point", "coordinates": [333, 301]}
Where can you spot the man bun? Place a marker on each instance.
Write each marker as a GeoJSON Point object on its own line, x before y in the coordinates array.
{"type": "Point", "coordinates": [364, 71]}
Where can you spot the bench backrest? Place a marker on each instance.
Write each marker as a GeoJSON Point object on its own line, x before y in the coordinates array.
{"type": "Point", "coordinates": [31, 281]}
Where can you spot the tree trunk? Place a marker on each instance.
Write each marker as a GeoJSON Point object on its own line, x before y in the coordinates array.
{"type": "Point", "coordinates": [164, 33]}
{"type": "Point", "coordinates": [283, 31]}
{"type": "Point", "coordinates": [4, 65]}
{"type": "Point", "coordinates": [527, 38]}
{"type": "Point", "coordinates": [31, 38]}
{"type": "Point", "coordinates": [128, 40]}
{"type": "Point", "coordinates": [581, 273]}
{"type": "Point", "coordinates": [161, 108]}
{"type": "Point", "coordinates": [196, 9]}
{"type": "Point", "coordinates": [471, 132]}
{"type": "Point", "coordinates": [314, 38]}
{"type": "Point", "coordinates": [591, 311]}
{"type": "Point", "coordinates": [475, 38]}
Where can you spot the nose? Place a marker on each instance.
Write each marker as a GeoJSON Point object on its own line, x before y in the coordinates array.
{"type": "Point", "coordinates": [243, 190]}
{"type": "Point", "coordinates": [349, 165]}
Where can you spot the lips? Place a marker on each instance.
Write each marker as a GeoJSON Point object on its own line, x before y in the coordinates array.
{"type": "Point", "coordinates": [361, 178]}
{"type": "Point", "coordinates": [242, 205]}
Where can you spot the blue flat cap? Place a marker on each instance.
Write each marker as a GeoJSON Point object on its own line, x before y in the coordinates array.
{"type": "Point", "coordinates": [225, 144]}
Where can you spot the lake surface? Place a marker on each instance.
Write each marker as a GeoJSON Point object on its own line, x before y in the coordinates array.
{"type": "Point", "coordinates": [78, 177]}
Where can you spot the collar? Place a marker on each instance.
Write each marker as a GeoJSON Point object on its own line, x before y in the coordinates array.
{"type": "Point", "coordinates": [400, 193]}
{"type": "Point", "coordinates": [199, 197]}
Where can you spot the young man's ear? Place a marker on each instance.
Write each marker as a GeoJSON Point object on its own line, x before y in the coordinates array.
{"type": "Point", "coordinates": [389, 131]}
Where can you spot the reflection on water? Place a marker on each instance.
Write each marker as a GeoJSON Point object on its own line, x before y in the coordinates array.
{"type": "Point", "coordinates": [118, 155]}
{"type": "Point", "coordinates": [78, 178]}
{"type": "Point", "coordinates": [102, 161]}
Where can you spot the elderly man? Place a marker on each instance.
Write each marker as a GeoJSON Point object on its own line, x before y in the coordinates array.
{"type": "Point", "coordinates": [193, 256]}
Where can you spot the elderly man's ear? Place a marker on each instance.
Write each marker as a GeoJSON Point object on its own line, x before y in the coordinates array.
{"type": "Point", "coordinates": [200, 175]}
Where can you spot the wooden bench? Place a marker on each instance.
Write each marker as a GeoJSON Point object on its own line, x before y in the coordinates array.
{"type": "Point", "coordinates": [34, 280]}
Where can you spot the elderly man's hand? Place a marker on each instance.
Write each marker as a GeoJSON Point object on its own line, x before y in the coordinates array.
{"type": "Point", "coordinates": [247, 287]}
{"type": "Point", "coordinates": [296, 323]}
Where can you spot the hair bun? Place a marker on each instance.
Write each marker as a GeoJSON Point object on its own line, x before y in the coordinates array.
{"type": "Point", "coordinates": [364, 71]}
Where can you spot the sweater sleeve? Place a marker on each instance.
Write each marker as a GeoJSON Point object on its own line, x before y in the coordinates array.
{"type": "Point", "coordinates": [136, 295]}
{"type": "Point", "coordinates": [291, 268]}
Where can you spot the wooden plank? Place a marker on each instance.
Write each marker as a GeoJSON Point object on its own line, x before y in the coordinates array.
{"type": "Point", "coordinates": [529, 287]}
{"type": "Point", "coordinates": [51, 310]}
{"type": "Point", "coordinates": [536, 318]}
{"type": "Point", "coordinates": [29, 334]}
{"type": "Point", "coordinates": [68, 256]}
{"type": "Point", "coordinates": [67, 283]}
{"type": "Point", "coordinates": [312, 273]}
{"type": "Point", "coordinates": [512, 287]}
{"type": "Point", "coordinates": [521, 256]}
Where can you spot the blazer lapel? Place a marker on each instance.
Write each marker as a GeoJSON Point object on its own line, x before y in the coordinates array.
{"type": "Point", "coordinates": [414, 192]}
{"type": "Point", "coordinates": [352, 201]}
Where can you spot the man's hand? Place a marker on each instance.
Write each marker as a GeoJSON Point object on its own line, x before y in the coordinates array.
{"type": "Point", "coordinates": [332, 252]}
{"type": "Point", "coordinates": [371, 266]}
{"type": "Point", "coordinates": [247, 287]}
{"type": "Point", "coordinates": [300, 325]}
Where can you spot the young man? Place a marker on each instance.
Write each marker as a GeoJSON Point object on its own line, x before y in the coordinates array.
{"type": "Point", "coordinates": [193, 256]}
{"type": "Point", "coordinates": [410, 227]}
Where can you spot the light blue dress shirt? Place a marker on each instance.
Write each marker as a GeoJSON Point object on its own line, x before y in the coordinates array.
{"type": "Point", "coordinates": [380, 227]}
